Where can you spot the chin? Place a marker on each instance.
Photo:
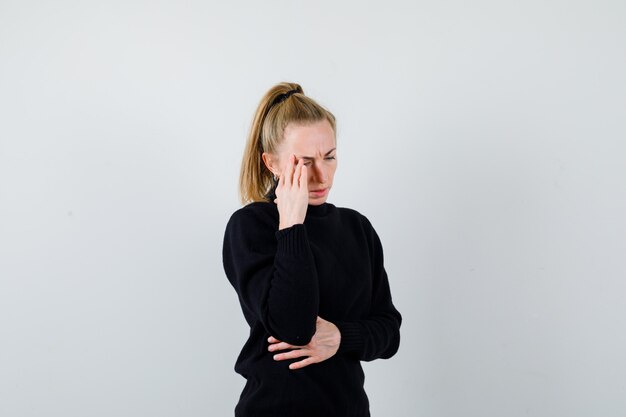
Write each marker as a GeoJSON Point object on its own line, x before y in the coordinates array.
{"type": "Point", "coordinates": [317, 201]}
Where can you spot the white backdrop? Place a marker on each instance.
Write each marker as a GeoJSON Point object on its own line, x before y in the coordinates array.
{"type": "Point", "coordinates": [484, 140]}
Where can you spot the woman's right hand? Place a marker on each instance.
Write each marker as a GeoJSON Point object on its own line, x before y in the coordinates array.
{"type": "Point", "coordinates": [292, 194]}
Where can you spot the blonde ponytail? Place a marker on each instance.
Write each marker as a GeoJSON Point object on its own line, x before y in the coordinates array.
{"type": "Point", "coordinates": [283, 104]}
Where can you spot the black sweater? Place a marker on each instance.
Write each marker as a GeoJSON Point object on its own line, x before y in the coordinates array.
{"type": "Point", "coordinates": [331, 266]}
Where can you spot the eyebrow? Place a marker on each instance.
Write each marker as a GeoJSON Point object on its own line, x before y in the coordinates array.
{"type": "Point", "coordinates": [310, 157]}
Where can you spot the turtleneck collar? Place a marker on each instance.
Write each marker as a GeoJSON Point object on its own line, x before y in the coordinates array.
{"type": "Point", "coordinates": [317, 211]}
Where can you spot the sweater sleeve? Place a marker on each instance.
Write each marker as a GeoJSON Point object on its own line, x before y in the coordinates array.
{"type": "Point", "coordinates": [274, 275]}
{"type": "Point", "coordinates": [376, 336]}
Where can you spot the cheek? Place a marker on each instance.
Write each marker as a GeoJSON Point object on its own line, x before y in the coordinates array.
{"type": "Point", "coordinates": [331, 171]}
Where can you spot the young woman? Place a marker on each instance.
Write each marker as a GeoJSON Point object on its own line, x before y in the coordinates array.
{"type": "Point", "coordinates": [309, 275]}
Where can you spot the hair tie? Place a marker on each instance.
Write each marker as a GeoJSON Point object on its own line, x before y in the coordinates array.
{"type": "Point", "coordinates": [283, 97]}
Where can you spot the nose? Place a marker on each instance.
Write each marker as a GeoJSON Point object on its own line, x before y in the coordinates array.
{"type": "Point", "coordinates": [320, 173]}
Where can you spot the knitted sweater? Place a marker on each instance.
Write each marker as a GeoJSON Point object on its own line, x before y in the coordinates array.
{"type": "Point", "coordinates": [331, 266]}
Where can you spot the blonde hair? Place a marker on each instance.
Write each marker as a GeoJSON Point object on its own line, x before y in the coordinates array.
{"type": "Point", "coordinates": [276, 110]}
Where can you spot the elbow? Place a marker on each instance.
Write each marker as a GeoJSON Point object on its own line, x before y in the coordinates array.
{"type": "Point", "coordinates": [393, 347]}
{"type": "Point", "coordinates": [394, 338]}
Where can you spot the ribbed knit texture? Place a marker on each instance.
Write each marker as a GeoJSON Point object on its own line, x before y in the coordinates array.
{"type": "Point", "coordinates": [351, 338]}
{"type": "Point", "coordinates": [331, 266]}
{"type": "Point", "coordinates": [292, 241]}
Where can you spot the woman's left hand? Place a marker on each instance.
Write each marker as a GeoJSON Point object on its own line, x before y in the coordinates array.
{"type": "Point", "coordinates": [322, 346]}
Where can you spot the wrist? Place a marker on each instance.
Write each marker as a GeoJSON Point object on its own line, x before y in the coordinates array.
{"type": "Point", "coordinates": [337, 336]}
{"type": "Point", "coordinates": [286, 224]}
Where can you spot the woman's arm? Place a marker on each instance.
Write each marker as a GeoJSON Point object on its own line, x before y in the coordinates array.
{"type": "Point", "coordinates": [378, 335]}
{"type": "Point", "coordinates": [322, 346]}
{"type": "Point", "coordinates": [273, 273]}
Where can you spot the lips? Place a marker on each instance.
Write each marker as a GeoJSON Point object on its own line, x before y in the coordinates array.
{"type": "Point", "coordinates": [320, 192]}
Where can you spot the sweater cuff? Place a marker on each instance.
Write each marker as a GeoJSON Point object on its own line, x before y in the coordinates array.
{"type": "Point", "coordinates": [351, 340]}
{"type": "Point", "coordinates": [292, 241]}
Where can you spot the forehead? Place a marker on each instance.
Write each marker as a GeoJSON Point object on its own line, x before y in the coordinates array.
{"type": "Point", "coordinates": [309, 139]}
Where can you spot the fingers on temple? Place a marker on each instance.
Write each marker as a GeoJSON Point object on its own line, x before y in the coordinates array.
{"type": "Point", "coordinates": [289, 169]}
{"type": "Point", "coordinates": [304, 177]}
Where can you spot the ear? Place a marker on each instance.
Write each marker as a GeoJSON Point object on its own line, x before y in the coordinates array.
{"type": "Point", "coordinates": [270, 162]}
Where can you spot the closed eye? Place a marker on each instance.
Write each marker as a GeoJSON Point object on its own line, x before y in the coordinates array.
{"type": "Point", "coordinates": [328, 158]}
